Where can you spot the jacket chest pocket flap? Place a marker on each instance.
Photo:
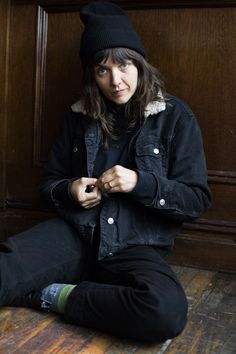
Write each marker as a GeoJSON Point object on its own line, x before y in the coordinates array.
{"type": "Point", "coordinates": [151, 155]}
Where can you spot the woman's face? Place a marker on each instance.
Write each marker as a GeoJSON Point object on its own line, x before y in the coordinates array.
{"type": "Point", "coordinates": [117, 81]}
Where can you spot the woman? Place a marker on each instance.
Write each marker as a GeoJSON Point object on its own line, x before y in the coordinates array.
{"type": "Point", "coordinates": [126, 171]}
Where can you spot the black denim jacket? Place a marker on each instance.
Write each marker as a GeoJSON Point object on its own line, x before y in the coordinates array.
{"type": "Point", "coordinates": [168, 146]}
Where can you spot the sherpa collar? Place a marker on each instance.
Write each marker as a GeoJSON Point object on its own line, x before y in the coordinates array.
{"type": "Point", "coordinates": [154, 107]}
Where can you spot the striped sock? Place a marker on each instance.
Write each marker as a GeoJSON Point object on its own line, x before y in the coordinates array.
{"type": "Point", "coordinates": [54, 296]}
{"type": "Point", "coordinates": [63, 296]}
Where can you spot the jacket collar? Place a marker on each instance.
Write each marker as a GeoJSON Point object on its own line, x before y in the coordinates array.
{"type": "Point", "coordinates": [154, 107]}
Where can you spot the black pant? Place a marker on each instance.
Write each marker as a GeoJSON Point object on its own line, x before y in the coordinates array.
{"type": "Point", "coordinates": [132, 294]}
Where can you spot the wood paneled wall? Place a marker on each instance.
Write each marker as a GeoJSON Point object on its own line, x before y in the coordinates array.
{"type": "Point", "coordinates": [3, 83]}
{"type": "Point", "coordinates": [193, 43]}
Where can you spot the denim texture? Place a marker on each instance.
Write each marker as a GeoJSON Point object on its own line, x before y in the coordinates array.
{"type": "Point", "coordinates": [168, 146]}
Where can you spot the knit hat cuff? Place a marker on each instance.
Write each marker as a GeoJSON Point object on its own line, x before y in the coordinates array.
{"type": "Point", "coordinates": [105, 39]}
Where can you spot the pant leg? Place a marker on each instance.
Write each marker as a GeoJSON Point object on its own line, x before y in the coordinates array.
{"type": "Point", "coordinates": [49, 252]}
{"type": "Point", "coordinates": [133, 294]}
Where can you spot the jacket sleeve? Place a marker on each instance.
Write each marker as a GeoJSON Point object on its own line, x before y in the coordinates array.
{"type": "Point", "coordinates": [54, 186]}
{"type": "Point", "coordinates": [183, 194]}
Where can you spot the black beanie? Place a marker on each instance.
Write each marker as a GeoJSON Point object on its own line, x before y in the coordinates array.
{"type": "Point", "coordinates": [106, 26]}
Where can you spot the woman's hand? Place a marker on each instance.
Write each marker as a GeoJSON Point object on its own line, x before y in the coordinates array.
{"type": "Point", "coordinates": [85, 191]}
{"type": "Point", "coordinates": [117, 179]}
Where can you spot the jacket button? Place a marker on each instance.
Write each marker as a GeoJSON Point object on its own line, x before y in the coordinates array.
{"type": "Point", "coordinates": [162, 202]}
{"type": "Point", "coordinates": [110, 221]}
{"type": "Point", "coordinates": [156, 151]}
{"type": "Point", "coordinates": [75, 149]}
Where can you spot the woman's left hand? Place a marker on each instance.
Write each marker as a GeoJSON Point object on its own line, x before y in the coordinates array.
{"type": "Point", "coordinates": [117, 179]}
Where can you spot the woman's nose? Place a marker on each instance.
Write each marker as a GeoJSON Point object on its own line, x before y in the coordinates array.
{"type": "Point", "coordinates": [116, 77]}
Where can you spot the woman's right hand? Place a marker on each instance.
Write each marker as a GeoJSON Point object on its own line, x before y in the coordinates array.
{"type": "Point", "coordinates": [85, 191]}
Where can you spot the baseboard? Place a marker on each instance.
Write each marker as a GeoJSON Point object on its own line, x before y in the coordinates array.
{"type": "Point", "coordinates": [207, 252]}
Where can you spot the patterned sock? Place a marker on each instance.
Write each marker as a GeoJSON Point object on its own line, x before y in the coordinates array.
{"type": "Point", "coordinates": [64, 294]}
{"type": "Point", "coordinates": [54, 297]}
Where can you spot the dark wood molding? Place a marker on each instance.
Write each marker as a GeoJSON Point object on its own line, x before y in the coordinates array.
{"type": "Point", "coordinates": [213, 226]}
{"type": "Point", "coordinates": [33, 205]}
{"type": "Point", "coordinates": [41, 50]}
{"type": "Point", "coordinates": [222, 177]}
{"type": "Point", "coordinates": [14, 221]}
{"type": "Point", "coordinates": [75, 5]}
{"type": "Point", "coordinates": [208, 253]}
{"type": "Point", "coordinates": [4, 50]}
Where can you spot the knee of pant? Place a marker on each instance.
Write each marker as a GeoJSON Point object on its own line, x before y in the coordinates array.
{"type": "Point", "coordinates": [161, 328]}
{"type": "Point", "coordinates": [164, 321]}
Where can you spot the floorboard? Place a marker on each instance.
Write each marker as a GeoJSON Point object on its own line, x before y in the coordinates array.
{"type": "Point", "coordinates": [211, 327]}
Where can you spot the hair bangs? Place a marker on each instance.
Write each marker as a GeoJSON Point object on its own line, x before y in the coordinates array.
{"type": "Point", "coordinates": [118, 55]}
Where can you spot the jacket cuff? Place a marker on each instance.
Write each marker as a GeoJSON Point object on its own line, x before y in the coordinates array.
{"type": "Point", "coordinates": [145, 189]}
{"type": "Point", "coordinates": [61, 194]}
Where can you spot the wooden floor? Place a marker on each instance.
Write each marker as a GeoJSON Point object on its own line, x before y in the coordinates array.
{"type": "Point", "coordinates": [211, 327]}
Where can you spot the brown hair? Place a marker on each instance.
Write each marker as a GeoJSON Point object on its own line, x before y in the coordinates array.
{"type": "Point", "coordinates": [148, 89]}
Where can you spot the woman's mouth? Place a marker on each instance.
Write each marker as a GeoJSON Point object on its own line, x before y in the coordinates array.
{"type": "Point", "coordinates": [118, 93]}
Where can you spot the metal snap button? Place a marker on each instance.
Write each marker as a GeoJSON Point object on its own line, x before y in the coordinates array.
{"type": "Point", "coordinates": [162, 202]}
{"type": "Point", "coordinates": [110, 221]}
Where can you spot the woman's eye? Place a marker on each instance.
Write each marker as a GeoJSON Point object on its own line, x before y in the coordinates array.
{"type": "Point", "coordinates": [101, 71]}
{"type": "Point", "coordinates": [125, 65]}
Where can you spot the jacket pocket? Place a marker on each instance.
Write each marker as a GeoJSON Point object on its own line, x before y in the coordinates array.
{"type": "Point", "coordinates": [151, 155]}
